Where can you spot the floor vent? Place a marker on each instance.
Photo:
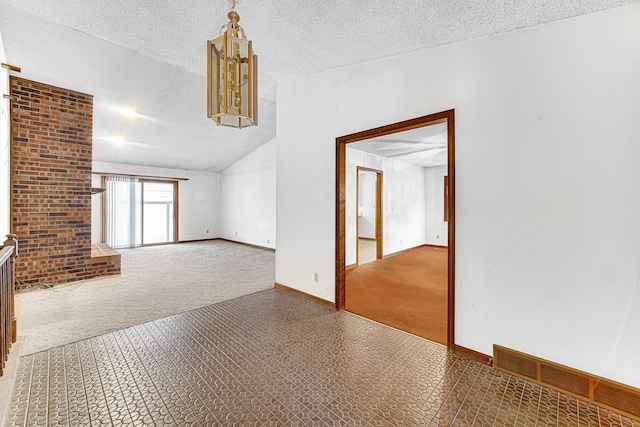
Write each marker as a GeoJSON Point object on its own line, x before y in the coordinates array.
{"type": "Point", "coordinates": [606, 393]}
{"type": "Point", "coordinates": [564, 380]}
{"type": "Point", "coordinates": [617, 396]}
{"type": "Point", "coordinates": [515, 363]}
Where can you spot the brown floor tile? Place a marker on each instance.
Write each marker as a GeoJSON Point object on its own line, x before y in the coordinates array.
{"type": "Point", "coordinates": [275, 359]}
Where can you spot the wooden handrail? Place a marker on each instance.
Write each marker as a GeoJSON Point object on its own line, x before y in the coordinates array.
{"type": "Point", "coordinates": [5, 254]}
{"type": "Point", "coordinates": [8, 324]}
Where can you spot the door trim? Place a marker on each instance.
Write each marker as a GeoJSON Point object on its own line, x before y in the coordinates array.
{"type": "Point", "coordinates": [340, 237]}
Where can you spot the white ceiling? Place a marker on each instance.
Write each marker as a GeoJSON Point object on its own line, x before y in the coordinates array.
{"type": "Point", "coordinates": [425, 146]}
{"type": "Point", "coordinates": [150, 55]}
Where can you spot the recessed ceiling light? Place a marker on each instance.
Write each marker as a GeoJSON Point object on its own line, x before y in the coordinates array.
{"type": "Point", "coordinates": [130, 113]}
{"type": "Point", "coordinates": [118, 140]}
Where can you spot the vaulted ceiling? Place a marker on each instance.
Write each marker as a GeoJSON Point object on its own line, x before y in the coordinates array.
{"type": "Point", "coordinates": [149, 55]}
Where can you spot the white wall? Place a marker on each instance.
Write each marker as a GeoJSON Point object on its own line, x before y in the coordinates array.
{"type": "Point", "coordinates": [546, 127]}
{"type": "Point", "coordinates": [198, 199]}
{"type": "Point", "coordinates": [199, 214]}
{"type": "Point", "coordinates": [5, 201]}
{"type": "Point", "coordinates": [436, 230]}
{"type": "Point", "coordinates": [247, 198]}
{"type": "Point", "coordinates": [403, 203]}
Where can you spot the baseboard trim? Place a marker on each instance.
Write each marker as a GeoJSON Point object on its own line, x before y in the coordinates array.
{"type": "Point", "coordinates": [198, 240]}
{"type": "Point", "coordinates": [473, 355]}
{"type": "Point", "coordinates": [247, 244]}
{"type": "Point", "coordinates": [435, 246]}
{"type": "Point", "coordinates": [304, 295]}
{"type": "Point", "coordinates": [367, 238]}
{"type": "Point", "coordinates": [351, 266]}
{"type": "Point", "coordinates": [404, 251]}
{"type": "Point", "coordinates": [609, 394]}
{"type": "Point", "coordinates": [8, 379]}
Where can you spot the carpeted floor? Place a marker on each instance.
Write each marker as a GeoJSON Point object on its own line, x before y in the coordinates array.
{"type": "Point", "coordinates": [156, 282]}
{"type": "Point", "coordinates": [366, 251]}
{"type": "Point", "coordinates": [406, 291]}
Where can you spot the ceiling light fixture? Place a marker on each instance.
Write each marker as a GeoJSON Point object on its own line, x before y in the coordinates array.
{"type": "Point", "coordinates": [232, 76]}
{"type": "Point", "coordinates": [130, 113]}
{"type": "Point", "coordinates": [118, 140]}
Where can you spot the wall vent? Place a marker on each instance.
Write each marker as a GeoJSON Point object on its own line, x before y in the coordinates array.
{"type": "Point", "coordinates": [564, 380]}
{"type": "Point", "coordinates": [608, 394]}
{"type": "Point", "coordinates": [515, 363]}
{"type": "Point", "coordinates": [618, 396]}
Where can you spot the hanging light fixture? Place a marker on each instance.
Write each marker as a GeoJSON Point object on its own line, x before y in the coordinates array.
{"type": "Point", "coordinates": [232, 76]}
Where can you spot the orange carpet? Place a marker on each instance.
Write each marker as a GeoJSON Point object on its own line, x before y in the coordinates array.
{"type": "Point", "coordinates": [406, 291]}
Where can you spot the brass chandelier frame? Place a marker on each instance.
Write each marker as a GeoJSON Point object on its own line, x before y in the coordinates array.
{"type": "Point", "coordinates": [232, 76]}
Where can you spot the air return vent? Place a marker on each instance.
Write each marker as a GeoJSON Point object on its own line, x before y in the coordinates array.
{"type": "Point", "coordinates": [515, 363]}
{"type": "Point", "coordinates": [618, 396]}
{"type": "Point", "coordinates": [565, 380]}
{"type": "Point", "coordinates": [609, 394]}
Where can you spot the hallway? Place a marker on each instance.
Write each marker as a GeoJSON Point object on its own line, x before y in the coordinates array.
{"type": "Point", "coordinates": [273, 358]}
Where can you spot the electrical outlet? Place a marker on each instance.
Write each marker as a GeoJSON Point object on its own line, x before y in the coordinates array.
{"type": "Point", "coordinates": [267, 241]}
{"type": "Point", "coordinates": [437, 236]}
{"type": "Point", "coordinates": [207, 231]}
{"type": "Point", "coordinates": [315, 277]}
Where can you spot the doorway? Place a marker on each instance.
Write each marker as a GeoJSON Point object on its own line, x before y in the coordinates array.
{"type": "Point", "coordinates": [158, 212]}
{"type": "Point", "coordinates": [445, 120]}
{"type": "Point", "coordinates": [139, 212]}
{"type": "Point", "coordinates": [369, 215]}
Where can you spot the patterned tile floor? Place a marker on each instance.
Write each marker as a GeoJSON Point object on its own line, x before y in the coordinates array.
{"type": "Point", "coordinates": [275, 359]}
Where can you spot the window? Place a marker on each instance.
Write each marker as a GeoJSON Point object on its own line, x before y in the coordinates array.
{"type": "Point", "coordinates": [139, 212]}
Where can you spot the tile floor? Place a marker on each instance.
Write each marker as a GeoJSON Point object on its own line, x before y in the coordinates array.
{"type": "Point", "coordinates": [271, 358]}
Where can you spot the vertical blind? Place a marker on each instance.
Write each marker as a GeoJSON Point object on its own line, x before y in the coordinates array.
{"type": "Point", "coordinates": [124, 204]}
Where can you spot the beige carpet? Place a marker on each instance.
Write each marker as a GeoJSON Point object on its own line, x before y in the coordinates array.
{"type": "Point", "coordinates": [366, 251]}
{"type": "Point", "coordinates": [156, 282]}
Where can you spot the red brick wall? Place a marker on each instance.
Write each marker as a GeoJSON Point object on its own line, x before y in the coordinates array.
{"type": "Point", "coordinates": [51, 153]}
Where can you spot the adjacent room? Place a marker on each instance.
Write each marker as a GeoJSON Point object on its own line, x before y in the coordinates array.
{"type": "Point", "coordinates": [323, 213]}
{"type": "Point", "coordinates": [396, 253]}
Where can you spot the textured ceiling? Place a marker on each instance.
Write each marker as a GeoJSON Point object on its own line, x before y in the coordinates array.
{"type": "Point", "coordinates": [425, 146]}
{"type": "Point", "coordinates": [150, 55]}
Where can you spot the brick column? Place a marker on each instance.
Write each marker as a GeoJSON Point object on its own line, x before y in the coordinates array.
{"type": "Point", "coordinates": [51, 154]}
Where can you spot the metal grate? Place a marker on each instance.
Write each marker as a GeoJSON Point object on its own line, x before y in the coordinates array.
{"type": "Point", "coordinates": [565, 380]}
{"type": "Point", "coordinates": [585, 386]}
{"type": "Point", "coordinates": [618, 397]}
{"type": "Point", "coordinates": [518, 365]}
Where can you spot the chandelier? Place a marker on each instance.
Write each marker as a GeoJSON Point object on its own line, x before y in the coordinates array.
{"type": "Point", "coordinates": [232, 76]}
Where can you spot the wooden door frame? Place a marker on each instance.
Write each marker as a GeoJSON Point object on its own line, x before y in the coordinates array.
{"type": "Point", "coordinates": [378, 211]}
{"type": "Point", "coordinates": [341, 197]}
